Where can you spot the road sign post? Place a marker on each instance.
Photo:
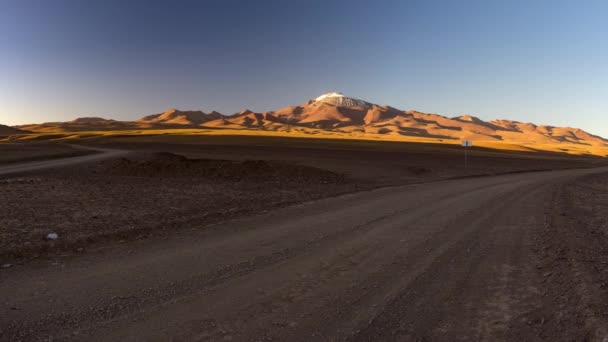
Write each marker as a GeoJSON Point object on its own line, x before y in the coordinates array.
{"type": "Point", "coordinates": [466, 144]}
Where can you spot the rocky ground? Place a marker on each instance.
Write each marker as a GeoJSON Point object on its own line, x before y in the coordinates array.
{"type": "Point", "coordinates": [146, 195]}
{"type": "Point", "coordinates": [155, 193]}
{"type": "Point", "coordinates": [573, 259]}
{"type": "Point", "coordinates": [211, 246]}
{"type": "Point", "coordinates": [517, 257]}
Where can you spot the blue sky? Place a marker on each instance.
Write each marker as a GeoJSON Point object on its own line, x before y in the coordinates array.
{"type": "Point", "coordinates": [539, 61]}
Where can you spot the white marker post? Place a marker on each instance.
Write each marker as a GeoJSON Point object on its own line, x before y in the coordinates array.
{"type": "Point", "coordinates": [466, 144]}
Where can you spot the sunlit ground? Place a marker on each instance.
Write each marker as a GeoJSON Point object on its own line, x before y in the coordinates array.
{"type": "Point", "coordinates": [304, 132]}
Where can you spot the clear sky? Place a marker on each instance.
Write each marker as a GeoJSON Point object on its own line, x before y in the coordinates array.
{"type": "Point", "coordinates": [539, 61]}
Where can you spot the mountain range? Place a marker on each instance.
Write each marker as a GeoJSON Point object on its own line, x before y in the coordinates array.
{"type": "Point", "coordinates": [334, 112]}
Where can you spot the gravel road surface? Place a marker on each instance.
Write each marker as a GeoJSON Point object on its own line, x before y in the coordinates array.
{"type": "Point", "coordinates": [103, 153]}
{"type": "Point", "coordinates": [442, 261]}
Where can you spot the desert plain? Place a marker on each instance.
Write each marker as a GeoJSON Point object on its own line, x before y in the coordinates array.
{"type": "Point", "coordinates": [251, 237]}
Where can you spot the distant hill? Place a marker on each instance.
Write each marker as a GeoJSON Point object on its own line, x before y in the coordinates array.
{"type": "Point", "coordinates": [178, 117]}
{"type": "Point", "coordinates": [5, 130]}
{"type": "Point", "coordinates": [79, 125]}
{"type": "Point", "coordinates": [92, 121]}
{"type": "Point", "coordinates": [334, 113]}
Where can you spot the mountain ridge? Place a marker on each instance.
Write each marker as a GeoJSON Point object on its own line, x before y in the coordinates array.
{"type": "Point", "coordinates": [335, 112]}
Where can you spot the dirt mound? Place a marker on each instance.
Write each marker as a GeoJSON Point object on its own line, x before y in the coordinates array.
{"type": "Point", "coordinates": [10, 130]}
{"type": "Point", "coordinates": [91, 121]}
{"type": "Point", "coordinates": [168, 165]}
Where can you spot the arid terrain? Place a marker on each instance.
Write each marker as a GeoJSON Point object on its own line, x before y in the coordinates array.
{"type": "Point", "coordinates": [265, 238]}
{"type": "Point", "coordinates": [24, 152]}
{"type": "Point", "coordinates": [329, 116]}
{"type": "Point", "coordinates": [303, 171]}
{"type": "Point", "coordinates": [161, 184]}
{"type": "Point", "coordinates": [144, 194]}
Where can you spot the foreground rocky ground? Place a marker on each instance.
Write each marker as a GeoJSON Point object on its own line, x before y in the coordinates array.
{"type": "Point", "coordinates": [234, 246]}
{"type": "Point", "coordinates": [146, 195]}
{"type": "Point", "coordinates": [155, 194]}
{"type": "Point", "coordinates": [491, 258]}
{"type": "Point", "coordinates": [573, 259]}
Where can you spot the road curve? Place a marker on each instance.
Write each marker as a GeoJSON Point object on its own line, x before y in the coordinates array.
{"type": "Point", "coordinates": [443, 261]}
{"type": "Point", "coordinates": [103, 153]}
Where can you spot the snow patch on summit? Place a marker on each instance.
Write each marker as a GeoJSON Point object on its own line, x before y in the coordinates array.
{"type": "Point", "coordinates": [328, 95]}
{"type": "Point", "coordinates": [340, 100]}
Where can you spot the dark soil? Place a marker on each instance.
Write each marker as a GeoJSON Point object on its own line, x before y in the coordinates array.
{"type": "Point", "coordinates": [173, 166]}
{"type": "Point", "coordinates": [573, 259]}
{"type": "Point", "coordinates": [151, 194]}
{"type": "Point", "coordinates": [19, 153]}
{"type": "Point", "coordinates": [382, 163]}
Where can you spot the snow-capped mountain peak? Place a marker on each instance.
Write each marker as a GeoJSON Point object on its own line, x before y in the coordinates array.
{"type": "Point", "coordinates": [329, 95]}
{"type": "Point", "coordinates": [340, 100]}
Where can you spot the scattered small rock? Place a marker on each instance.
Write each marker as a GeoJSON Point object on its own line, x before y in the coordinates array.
{"type": "Point", "coordinates": [52, 236]}
{"type": "Point", "coordinates": [7, 266]}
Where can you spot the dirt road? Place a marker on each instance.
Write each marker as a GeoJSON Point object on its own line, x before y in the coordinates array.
{"type": "Point", "coordinates": [103, 153]}
{"type": "Point", "coordinates": [442, 261]}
